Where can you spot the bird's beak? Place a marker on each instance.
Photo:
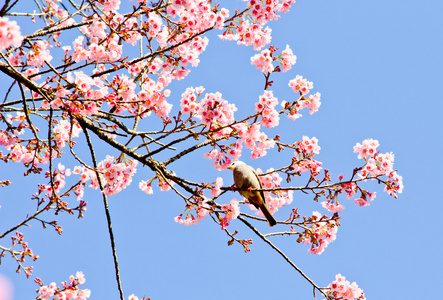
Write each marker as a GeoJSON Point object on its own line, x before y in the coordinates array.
{"type": "Point", "coordinates": [231, 167]}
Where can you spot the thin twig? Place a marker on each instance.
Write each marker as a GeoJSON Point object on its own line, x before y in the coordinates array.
{"type": "Point", "coordinates": [108, 215]}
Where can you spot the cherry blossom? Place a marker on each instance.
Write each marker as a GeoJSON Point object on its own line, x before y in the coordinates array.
{"type": "Point", "coordinates": [275, 199]}
{"type": "Point", "coordinates": [322, 233]}
{"type": "Point", "coordinates": [266, 107]}
{"type": "Point", "coordinates": [263, 61]}
{"type": "Point", "coordinates": [215, 191]}
{"type": "Point", "coordinates": [340, 288]}
{"type": "Point", "coordinates": [301, 85]}
{"type": "Point", "coordinates": [67, 290]}
{"type": "Point", "coordinates": [367, 149]}
{"type": "Point", "coordinates": [231, 211]}
{"type": "Point", "coordinates": [9, 34]}
{"type": "Point", "coordinates": [287, 58]}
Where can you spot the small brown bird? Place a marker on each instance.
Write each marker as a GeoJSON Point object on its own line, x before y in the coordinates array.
{"type": "Point", "coordinates": [245, 178]}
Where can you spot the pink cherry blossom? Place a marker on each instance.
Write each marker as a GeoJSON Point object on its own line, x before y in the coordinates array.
{"type": "Point", "coordinates": [202, 209]}
{"type": "Point", "coordinates": [285, 5]}
{"type": "Point", "coordinates": [189, 103]}
{"type": "Point", "coordinates": [350, 189]}
{"type": "Point", "coordinates": [252, 34]}
{"type": "Point", "coordinates": [146, 187]}
{"type": "Point", "coordinates": [340, 288]}
{"type": "Point", "coordinates": [301, 85]}
{"type": "Point", "coordinates": [39, 54]}
{"type": "Point", "coordinates": [165, 184]}
{"type": "Point", "coordinates": [115, 175]}
{"type": "Point", "coordinates": [46, 292]}
{"type": "Point", "coordinates": [263, 61]}
{"type": "Point", "coordinates": [323, 233]}
{"type": "Point", "coordinates": [110, 5]}
{"type": "Point", "coordinates": [287, 58]}
{"type": "Point", "coordinates": [313, 103]}
{"type": "Point", "coordinates": [332, 206]}
{"type": "Point", "coordinates": [67, 291]}
{"type": "Point", "coordinates": [9, 34]}
{"type": "Point", "coordinates": [155, 24]}
{"type": "Point", "coordinates": [309, 145]}
{"type": "Point", "coordinates": [266, 107]}
{"type": "Point", "coordinates": [65, 131]}
{"type": "Point", "coordinates": [367, 149]}
{"type": "Point", "coordinates": [231, 211]}
{"type": "Point", "coordinates": [275, 199]}
{"type": "Point", "coordinates": [215, 191]}
{"type": "Point", "coordinates": [254, 139]}
{"type": "Point", "coordinates": [214, 111]}
{"type": "Point", "coordinates": [263, 11]}
{"type": "Point", "coordinates": [394, 184]}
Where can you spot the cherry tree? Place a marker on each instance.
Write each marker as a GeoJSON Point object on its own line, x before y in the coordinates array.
{"type": "Point", "coordinates": [94, 77]}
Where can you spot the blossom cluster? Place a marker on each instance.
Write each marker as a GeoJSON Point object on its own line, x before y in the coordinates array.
{"type": "Point", "coordinates": [114, 175]}
{"type": "Point", "coordinates": [93, 89]}
{"type": "Point", "coordinates": [216, 112]}
{"type": "Point", "coordinates": [64, 132]}
{"type": "Point", "coordinates": [332, 206]}
{"type": "Point", "coordinates": [202, 209]}
{"type": "Point", "coordinates": [264, 11]}
{"type": "Point", "coordinates": [341, 288]}
{"type": "Point", "coordinates": [254, 139]}
{"type": "Point", "coordinates": [287, 59]}
{"type": "Point", "coordinates": [231, 211]}
{"type": "Point", "coordinates": [39, 54]}
{"type": "Point", "coordinates": [216, 191]}
{"type": "Point", "coordinates": [247, 33]}
{"type": "Point", "coordinates": [152, 97]}
{"type": "Point", "coordinates": [321, 233]}
{"type": "Point", "coordinates": [9, 138]}
{"type": "Point", "coordinates": [189, 100]}
{"type": "Point", "coordinates": [213, 111]}
{"type": "Point", "coordinates": [67, 290]}
{"type": "Point", "coordinates": [165, 184]}
{"type": "Point", "coordinates": [363, 200]}
{"type": "Point", "coordinates": [266, 108]}
{"type": "Point", "coordinates": [9, 34]}
{"type": "Point", "coordinates": [308, 146]}
{"type": "Point", "coordinates": [312, 102]}
{"type": "Point", "coordinates": [349, 188]}
{"type": "Point", "coordinates": [274, 199]}
{"type": "Point", "coordinates": [222, 157]}
{"type": "Point", "coordinates": [304, 151]}
{"type": "Point", "coordinates": [102, 46]}
{"type": "Point", "coordinates": [301, 85]}
{"type": "Point", "coordinates": [378, 164]}
{"type": "Point", "coordinates": [197, 15]}
{"type": "Point", "coordinates": [263, 60]}
{"type": "Point", "coordinates": [253, 33]}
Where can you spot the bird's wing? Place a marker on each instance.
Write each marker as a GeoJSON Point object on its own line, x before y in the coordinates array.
{"type": "Point", "coordinates": [260, 185]}
{"type": "Point", "coordinates": [245, 177]}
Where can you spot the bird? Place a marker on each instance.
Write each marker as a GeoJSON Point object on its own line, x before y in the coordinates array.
{"type": "Point", "coordinates": [245, 179]}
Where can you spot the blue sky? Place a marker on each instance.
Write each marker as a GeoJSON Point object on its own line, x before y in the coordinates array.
{"type": "Point", "coordinates": [378, 66]}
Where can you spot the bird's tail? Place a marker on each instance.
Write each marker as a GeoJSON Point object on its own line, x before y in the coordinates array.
{"type": "Point", "coordinates": [269, 217]}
